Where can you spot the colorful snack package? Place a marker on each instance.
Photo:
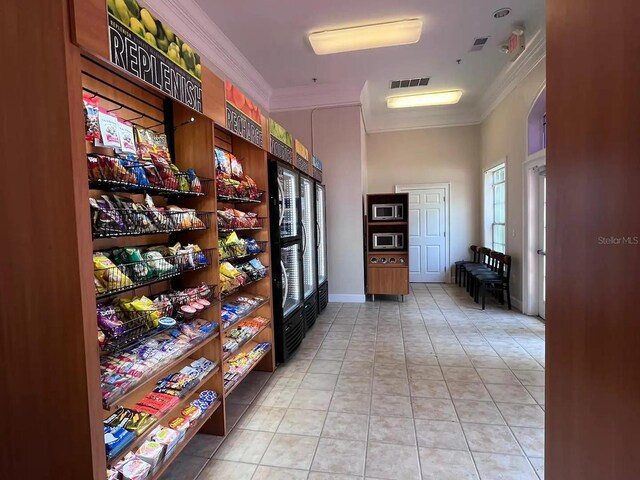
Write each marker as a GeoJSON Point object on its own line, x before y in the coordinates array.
{"type": "Point", "coordinates": [236, 167]}
{"type": "Point", "coordinates": [223, 163]}
{"type": "Point", "coordinates": [144, 142]}
{"type": "Point", "coordinates": [91, 126]}
{"type": "Point", "coordinates": [127, 140]}
{"type": "Point", "coordinates": [108, 274]}
{"type": "Point", "coordinates": [108, 320]}
{"type": "Point", "coordinates": [194, 182]}
{"type": "Point", "coordinates": [109, 129]}
{"type": "Point", "coordinates": [165, 171]}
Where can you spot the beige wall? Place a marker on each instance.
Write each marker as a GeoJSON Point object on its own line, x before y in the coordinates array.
{"type": "Point", "coordinates": [504, 135]}
{"type": "Point", "coordinates": [435, 155]}
{"type": "Point", "coordinates": [334, 135]}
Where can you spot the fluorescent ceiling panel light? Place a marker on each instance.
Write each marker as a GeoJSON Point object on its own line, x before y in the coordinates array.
{"type": "Point", "coordinates": [401, 32]}
{"type": "Point", "coordinates": [424, 99]}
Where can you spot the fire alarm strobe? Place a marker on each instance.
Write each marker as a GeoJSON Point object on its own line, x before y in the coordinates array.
{"type": "Point", "coordinates": [516, 43]}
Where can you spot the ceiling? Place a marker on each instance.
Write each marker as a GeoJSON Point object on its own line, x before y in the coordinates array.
{"type": "Point", "coordinates": [272, 35]}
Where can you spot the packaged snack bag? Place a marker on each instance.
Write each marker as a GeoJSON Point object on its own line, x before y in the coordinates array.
{"type": "Point", "coordinates": [194, 181]}
{"type": "Point", "coordinates": [144, 142]}
{"type": "Point", "coordinates": [223, 162]}
{"type": "Point", "coordinates": [91, 126]}
{"type": "Point", "coordinates": [109, 129]}
{"type": "Point", "coordinates": [236, 167]}
{"type": "Point", "coordinates": [108, 274]}
{"type": "Point", "coordinates": [127, 141]}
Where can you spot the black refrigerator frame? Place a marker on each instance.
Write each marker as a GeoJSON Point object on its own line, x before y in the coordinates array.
{"type": "Point", "coordinates": [311, 307]}
{"type": "Point", "coordinates": [289, 330]}
{"type": "Point", "coordinates": [323, 288]}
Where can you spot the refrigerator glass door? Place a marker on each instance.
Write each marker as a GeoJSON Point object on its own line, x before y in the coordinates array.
{"type": "Point", "coordinates": [321, 233]}
{"type": "Point", "coordinates": [308, 214]}
{"type": "Point", "coordinates": [291, 292]}
{"type": "Point", "coordinates": [287, 195]}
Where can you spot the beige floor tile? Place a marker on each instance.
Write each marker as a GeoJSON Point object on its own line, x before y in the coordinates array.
{"type": "Point", "coordinates": [538, 466]}
{"type": "Point", "coordinates": [518, 415]}
{"type": "Point", "coordinates": [302, 422]}
{"type": "Point", "coordinates": [185, 467]}
{"type": "Point", "coordinates": [509, 394]}
{"type": "Point", "coordinates": [392, 405]}
{"type": "Point", "coordinates": [216, 469]}
{"type": "Point", "coordinates": [357, 368]}
{"type": "Point", "coordinates": [522, 363]}
{"type": "Point", "coordinates": [325, 366]}
{"type": "Point", "coordinates": [494, 466]}
{"type": "Point", "coordinates": [428, 388]}
{"type": "Point", "coordinates": [346, 426]}
{"type": "Point", "coordinates": [468, 391]}
{"type": "Point", "coordinates": [531, 440]}
{"type": "Point", "coordinates": [277, 397]}
{"type": "Point", "coordinates": [537, 393]}
{"type": "Point", "coordinates": [244, 446]}
{"type": "Point", "coordinates": [274, 473]}
{"type": "Point", "coordinates": [202, 445]}
{"type": "Point", "coordinates": [290, 451]}
{"type": "Point", "coordinates": [487, 361]}
{"type": "Point", "coordinates": [354, 383]}
{"type": "Point", "coordinates": [348, 402]}
{"type": "Point", "coordinates": [339, 456]}
{"type": "Point", "coordinates": [440, 434]}
{"type": "Point", "coordinates": [433, 409]}
{"type": "Point", "coordinates": [394, 462]}
{"type": "Point", "coordinates": [396, 430]}
{"type": "Point", "coordinates": [498, 376]}
{"type": "Point", "coordinates": [439, 464]}
{"type": "Point", "coordinates": [265, 418]}
{"type": "Point", "coordinates": [311, 399]}
{"type": "Point", "coordinates": [490, 439]}
{"type": "Point", "coordinates": [319, 381]}
{"type": "Point", "coordinates": [461, 374]}
{"type": "Point", "coordinates": [530, 377]}
{"type": "Point", "coordinates": [473, 411]}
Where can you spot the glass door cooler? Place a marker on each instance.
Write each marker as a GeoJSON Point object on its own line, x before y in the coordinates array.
{"type": "Point", "coordinates": [286, 261]}
{"type": "Point", "coordinates": [309, 251]}
{"type": "Point", "coordinates": [321, 246]}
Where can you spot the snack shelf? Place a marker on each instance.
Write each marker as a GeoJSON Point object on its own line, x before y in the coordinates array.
{"type": "Point", "coordinates": [163, 223]}
{"type": "Point", "coordinates": [174, 364]}
{"type": "Point", "coordinates": [236, 225]}
{"type": "Point", "coordinates": [114, 185]}
{"type": "Point", "coordinates": [193, 430]}
{"type": "Point", "coordinates": [240, 200]}
{"type": "Point", "coordinates": [140, 328]}
{"type": "Point", "coordinates": [120, 275]}
{"type": "Point", "coordinates": [242, 345]}
{"type": "Point", "coordinates": [228, 391]}
{"type": "Point", "coordinates": [263, 275]}
{"type": "Point", "coordinates": [174, 412]}
{"type": "Point", "coordinates": [262, 245]}
{"type": "Point", "coordinates": [244, 317]}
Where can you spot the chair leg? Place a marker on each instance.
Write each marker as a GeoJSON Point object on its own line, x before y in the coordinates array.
{"type": "Point", "coordinates": [456, 277]}
{"type": "Point", "coordinates": [508, 297]}
{"type": "Point", "coordinates": [482, 290]}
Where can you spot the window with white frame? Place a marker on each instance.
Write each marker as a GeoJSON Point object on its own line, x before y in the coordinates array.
{"type": "Point", "coordinates": [495, 211]}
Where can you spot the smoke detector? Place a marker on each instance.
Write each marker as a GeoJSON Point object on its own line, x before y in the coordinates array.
{"type": "Point", "coordinates": [501, 12]}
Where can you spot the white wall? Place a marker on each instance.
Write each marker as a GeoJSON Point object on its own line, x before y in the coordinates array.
{"type": "Point", "coordinates": [436, 155]}
{"type": "Point", "coordinates": [504, 135]}
{"type": "Point", "coordinates": [334, 136]}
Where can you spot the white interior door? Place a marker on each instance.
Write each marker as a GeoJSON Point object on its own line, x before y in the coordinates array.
{"type": "Point", "coordinates": [428, 246]}
{"type": "Point", "coordinates": [542, 241]}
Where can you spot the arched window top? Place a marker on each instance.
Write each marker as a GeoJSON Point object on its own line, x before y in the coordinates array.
{"type": "Point", "coordinates": [537, 124]}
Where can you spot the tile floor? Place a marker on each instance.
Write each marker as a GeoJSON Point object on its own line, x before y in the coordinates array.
{"type": "Point", "coordinates": [432, 388]}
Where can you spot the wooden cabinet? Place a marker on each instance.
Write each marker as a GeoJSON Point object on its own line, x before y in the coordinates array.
{"type": "Point", "coordinates": [386, 245]}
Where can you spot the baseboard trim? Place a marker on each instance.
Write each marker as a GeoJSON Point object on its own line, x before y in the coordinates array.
{"type": "Point", "coordinates": [341, 298]}
{"type": "Point", "coordinates": [517, 303]}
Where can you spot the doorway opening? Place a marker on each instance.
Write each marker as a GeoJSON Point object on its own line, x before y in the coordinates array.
{"type": "Point", "coordinates": [428, 232]}
{"type": "Point", "coordinates": [535, 201]}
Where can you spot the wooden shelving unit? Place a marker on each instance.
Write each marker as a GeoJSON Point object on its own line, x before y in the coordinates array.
{"type": "Point", "coordinates": [387, 270]}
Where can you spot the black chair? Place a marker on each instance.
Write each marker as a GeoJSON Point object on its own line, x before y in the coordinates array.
{"type": "Point", "coordinates": [461, 263]}
{"type": "Point", "coordinates": [484, 265]}
{"type": "Point", "coordinates": [496, 282]}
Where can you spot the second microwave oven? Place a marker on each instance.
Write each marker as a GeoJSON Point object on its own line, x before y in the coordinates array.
{"type": "Point", "coordinates": [387, 211]}
{"type": "Point", "coordinates": [388, 241]}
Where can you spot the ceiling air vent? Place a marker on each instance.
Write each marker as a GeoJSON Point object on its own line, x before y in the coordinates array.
{"type": "Point", "coordinates": [410, 82]}
{"type": "Point", "coordinates": [479, 43]}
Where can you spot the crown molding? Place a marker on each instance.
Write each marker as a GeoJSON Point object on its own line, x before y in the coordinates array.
{"type": "Point", "coordinates": [314, 96]}
{"type": "Point", "coordinates": [511, 76]}
{"type": "Point", "coordinates": [385, 122]}
{"type": "Point", "coordinates": [188, 19]}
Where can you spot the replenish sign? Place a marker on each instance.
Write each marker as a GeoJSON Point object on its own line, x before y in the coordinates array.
{"type": "Point", "coordinates": [281, 144]}
{"type": "Point", "coordinates": [148, 49]}
{"type": "Point", "coordinates": [244, 117]}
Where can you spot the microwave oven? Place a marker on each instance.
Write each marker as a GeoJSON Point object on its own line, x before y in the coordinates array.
{"type": "Point", "coordinates": [387, 211]}
{"type": "Point", "coordinates": [388, 241]}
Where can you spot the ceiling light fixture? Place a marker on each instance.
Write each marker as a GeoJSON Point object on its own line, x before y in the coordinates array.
{"type": "Point", "coordinates": [401, 32]}
{"type": "Point", "coordinates": [424, 99]}
{"type": "Point", "coordinates": [501, 12]}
